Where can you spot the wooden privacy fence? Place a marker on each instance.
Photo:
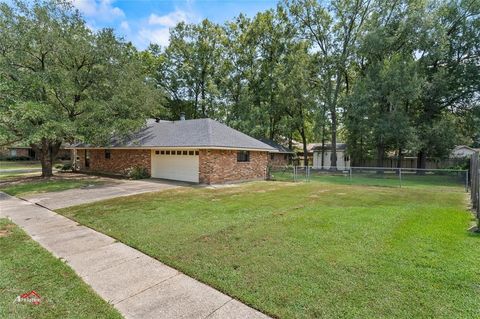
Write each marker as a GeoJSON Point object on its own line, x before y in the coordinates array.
{"type": "Point", "coordinates": [475, 184]}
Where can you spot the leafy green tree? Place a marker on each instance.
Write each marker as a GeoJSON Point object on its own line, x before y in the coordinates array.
{"type": "Point", "coordinates": [63, 83]}
{"type": "Point", "coordinates": [334, 29]}
{"type": "Point", "coordinates": [449, 61]}
{"type": "Point", "coordinates": [190, 69]}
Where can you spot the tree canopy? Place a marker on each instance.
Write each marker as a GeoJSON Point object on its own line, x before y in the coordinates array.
{"type": "Point", "coordinates": [62, 82]}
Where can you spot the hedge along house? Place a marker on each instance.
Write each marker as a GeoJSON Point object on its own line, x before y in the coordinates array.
{"type": "Point", "coordinates": [199, 151]}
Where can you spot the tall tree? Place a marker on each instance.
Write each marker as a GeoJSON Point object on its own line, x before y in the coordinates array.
{"type": "Point", "coordinates": [190, 70]}
{"type": "Point", "coordinates": [449, 58]}
{"type": "Point", "coordinates": [64, 83]}
{"type": "Point", "coordinates": [334, 29]}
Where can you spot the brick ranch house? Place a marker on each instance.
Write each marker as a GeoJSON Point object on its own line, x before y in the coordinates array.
{"type": "Point", "coordinates": [199, 151]}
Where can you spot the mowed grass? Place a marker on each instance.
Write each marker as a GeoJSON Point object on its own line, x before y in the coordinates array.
{"type": "Point", "coordinates": [43, 186]}
{"type": "Point", "coordinates": [311, 250]}
{"type": "Point", "coordinates": [19, 164]}
{"type": "Point", "coordinates": [388, 179]}
{"type": "Point", "coordinates": [25, 266]}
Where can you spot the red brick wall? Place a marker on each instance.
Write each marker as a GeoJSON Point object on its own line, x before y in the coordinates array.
{"type": "Point", "coordinates": [118, 163]}
{"type": "Point", "coordinates": [221, 166]}
{"type": "Point", "coordinates": [278, 159]}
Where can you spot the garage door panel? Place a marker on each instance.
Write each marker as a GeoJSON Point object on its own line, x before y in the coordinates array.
{"type": "Point", "coordinates": [176, 167]}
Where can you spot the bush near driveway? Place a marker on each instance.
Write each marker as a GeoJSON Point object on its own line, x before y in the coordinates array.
{"type": "Point", "coordinates": [311, 250]}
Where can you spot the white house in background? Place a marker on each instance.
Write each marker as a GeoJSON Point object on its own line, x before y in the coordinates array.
{"type": "Point", "coordinates": [461, 151]}
{"type": "Point", "coordinates": [343, 159]}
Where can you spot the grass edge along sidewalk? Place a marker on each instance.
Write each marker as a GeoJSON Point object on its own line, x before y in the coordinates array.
{"type": "Point", "coordinates": [26, 266]}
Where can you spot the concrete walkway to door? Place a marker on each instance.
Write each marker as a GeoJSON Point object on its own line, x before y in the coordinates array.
{"type": "Point", "coordinates": [110, 188]}
{"type": "Point", "coordinates": [136, 284]}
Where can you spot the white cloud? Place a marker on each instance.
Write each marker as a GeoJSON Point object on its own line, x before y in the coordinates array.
{"type": "Point", "coordinates": [171, 19]}
{"type": "Point", "coordinates": [159, 36]}
{"type": "Point", "coordinates": [156, 29]}
{"type": "Point", "coordinates": [125, 26]}
{"type": "Point", "coordinates": [101, 10]}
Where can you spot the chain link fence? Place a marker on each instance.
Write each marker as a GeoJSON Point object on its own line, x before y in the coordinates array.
{"type": "Point", "coordinates": [475, 185]}
{"type": "Point", "coordinates": [374, 176]}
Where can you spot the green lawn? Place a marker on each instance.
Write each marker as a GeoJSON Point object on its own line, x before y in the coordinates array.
{"type": "Point", "coordinates": [25, 266]}
{"type": "Point", "coordinates": [42, 186]}
{"type": "Point", "coordinates": [311, 250]}
{"type": "Point", "coordinates": [19, 164]}
{"type": "Point", "coordinates": [389, 179]}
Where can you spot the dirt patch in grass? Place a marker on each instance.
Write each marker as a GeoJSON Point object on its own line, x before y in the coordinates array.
{"type": "Point", "coordinates": [5, 230]}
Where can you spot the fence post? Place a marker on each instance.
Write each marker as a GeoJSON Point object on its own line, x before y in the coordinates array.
{"type": "Point", "coordinates": [466, 180]}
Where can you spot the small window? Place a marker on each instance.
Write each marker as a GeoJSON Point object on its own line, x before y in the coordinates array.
{"type": "Point", "coordinates": [243, 156]}
{"type": "Point", "coordinates": [185, 152]}
{"type": "Point", "coordinates": [162, 152]}
{"type": "Point", "coordinates": [285, 156]}
{"type": "Point", "coordinates": [108, 154]}
{"type": "Point", "coordinates": [179, 152]}
{"type": "Point", "coordinates": [157, 152]}
{"type": "Point", "coordinates": [272, 156]}
{"type": "Point", "coordinates": [167, 152]}
{"type": "Point", "coordinates": [196, 152]}
{"type": "Point", "coordinates": [191, 152]}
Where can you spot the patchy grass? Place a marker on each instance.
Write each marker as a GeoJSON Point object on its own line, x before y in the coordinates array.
{"type": "Point", "coordinates": [25, 266]}
{"type": "Point", "coordinates": [19, 164]}
{"type": "Point", "coordinates": [311, 250]}
{"type": "Point", "coordinates": [38, 185]}
{"type": "Point", "coordinates": [9, 176]}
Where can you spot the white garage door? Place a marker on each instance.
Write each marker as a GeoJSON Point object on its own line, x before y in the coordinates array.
{"type": "Point", "coordinates": [180, 165]}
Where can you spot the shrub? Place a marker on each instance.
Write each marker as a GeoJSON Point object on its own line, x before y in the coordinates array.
{"type": "Point", "coordinates": [137, 172]}
{"type": "Point", "coordinates": [18, 158]}
{"type": "Point", "coordinates": [67, 167]}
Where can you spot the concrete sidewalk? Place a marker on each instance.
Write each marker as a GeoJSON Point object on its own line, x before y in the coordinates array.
{"type": "Point", "coordinates": [136, 284]}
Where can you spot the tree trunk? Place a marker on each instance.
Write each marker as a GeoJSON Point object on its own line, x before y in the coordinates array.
{"type": "Point", "coordinates": [421, 162]}
{"type": "Point", "coordinates": [305, 152]}
{"type": "Point", "coordinates": [323, 140]}
{"type": "Point", "coordinates": [333, 156]}
{"type": "Point", "coordinates": [380, 155]}
{"type": "Point", "coordinates": [47, 152]}
{"type": "Point", "coordinates": [399, 158]}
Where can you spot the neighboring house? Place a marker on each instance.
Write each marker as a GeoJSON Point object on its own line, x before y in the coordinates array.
{"type": "Point", "coordinates": [343, 160]}
{"type": "Point", "coordinates": [200, 151]}
{"type": "Point", "coordinates": [283, 157]}
{"type": "Point", "coordinates": [462, 151]}
{"type": "Point", "coordinates": [300, 156]}
{"type": "Point", "coordinates": [26, 152]}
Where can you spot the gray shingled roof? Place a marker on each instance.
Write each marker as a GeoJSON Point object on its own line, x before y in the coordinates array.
{"type": "Point", "coordinates": [201, 133]}
{"type": "Point", "coordinates": [328, 146]}
{"type": "Point", "coordinates": [280, 148]}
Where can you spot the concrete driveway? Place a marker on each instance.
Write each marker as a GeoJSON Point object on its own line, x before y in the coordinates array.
{"type": "Point", "coordinates": [110, 188]}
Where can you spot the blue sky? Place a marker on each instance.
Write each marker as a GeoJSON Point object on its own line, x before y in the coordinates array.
{"type": "Point", "coordinates": [145, 21]}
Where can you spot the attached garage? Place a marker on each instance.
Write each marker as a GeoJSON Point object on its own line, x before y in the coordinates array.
{"type": "Point", "coordinates": [180, 165]}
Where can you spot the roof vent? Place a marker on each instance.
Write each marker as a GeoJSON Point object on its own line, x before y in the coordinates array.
{"type": "Point", "coordinates": [182, 116]}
